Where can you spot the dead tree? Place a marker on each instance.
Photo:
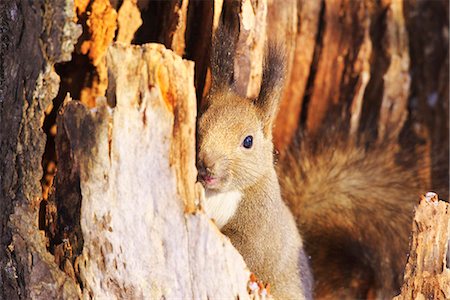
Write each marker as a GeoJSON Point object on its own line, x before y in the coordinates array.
{"type": "Point", "coordinates": [427, 274]}
{"type": "Point", "coordinates": [381, 65]}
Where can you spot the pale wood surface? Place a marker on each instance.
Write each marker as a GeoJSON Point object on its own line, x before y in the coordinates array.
{"type": "Point", "coordinates": [137, 174]}
{"type": "Point", "coordinates": [427, 273]}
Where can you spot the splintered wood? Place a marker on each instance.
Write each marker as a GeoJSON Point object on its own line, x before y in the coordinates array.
{"type": "Point", "coordinates": [129, 20]}
{"type": "Point", "coordinates": [250, 47]}
{"type": "Point", "coordinates": [136, 159]}
{"type": "Point", "coordinates": [396, 80]}
{"type": "Point", "coordinates": [427, 273]}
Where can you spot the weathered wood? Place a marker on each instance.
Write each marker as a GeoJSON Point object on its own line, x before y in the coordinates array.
{"type": "Point", "coordinates": [217, 12]}
{"type": "Point", "coordinates": [101, 26]}
{"type": "Point", "coordinates": [427, 273]}
{"type": "Point", "coordinates": [128, 21]}
{"type": "Point", "coordinates": [175, 35]}
{"type": "Point", "coordinates": [361, 67]}
{"type": "Point", "coordinates": [136, 180]}
{"type": "Point", "coordinates": [33, 37]}
{"type": "Point", "coordinates": [306, 28]}
{"type": "Point", "coordinates": [372, 88]}
{"type": "Point", "coordinates": [396, 80]}
{"type": "Point", "coordinates": [201, 15]}
{"type": "Point", "coordinates": [250, 47]}
{"type": "Point", "coordinates": [247, 21]}
{"type": "Point", "coordinates": [344, 25]}
{"type": "Point", "coordinates": [163, 22]}
{"type": "Point", "coordinates": [427, 25]}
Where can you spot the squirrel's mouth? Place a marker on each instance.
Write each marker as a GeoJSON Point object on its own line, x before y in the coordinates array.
{"type": "Point", "coordinates": [208, 181]}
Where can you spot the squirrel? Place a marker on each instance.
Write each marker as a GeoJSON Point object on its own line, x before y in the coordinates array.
{"type": "Point", "coordinates": [350, 206]}
{"type": "Point", "coordinates": [235, 166]}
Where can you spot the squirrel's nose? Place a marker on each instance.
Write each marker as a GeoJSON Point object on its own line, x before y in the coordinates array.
{"type": "Point", "coordinates": [203, 171]}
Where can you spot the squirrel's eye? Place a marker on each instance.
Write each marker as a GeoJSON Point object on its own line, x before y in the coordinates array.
{"type": "Point", "coordinates": [248, 142]}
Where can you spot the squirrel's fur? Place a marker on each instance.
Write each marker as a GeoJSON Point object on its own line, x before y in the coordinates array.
{"type": "Point", "coordinates": [354, 209]}
{"type": "Point", "coordinates": [253, 215]}
{"type": "Point", "coordinates": [353, 206]}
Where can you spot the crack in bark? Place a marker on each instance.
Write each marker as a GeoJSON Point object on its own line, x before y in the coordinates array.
{"type": "Point", "coordinates": [313, 68]}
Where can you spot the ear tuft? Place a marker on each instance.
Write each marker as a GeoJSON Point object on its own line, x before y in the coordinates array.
{"type": "Point", "coordinates": [274, 72]}
{"type": "Point", "coordinates": [222, 57]}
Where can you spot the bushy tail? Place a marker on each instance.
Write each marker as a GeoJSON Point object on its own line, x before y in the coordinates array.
{"type": "Point", "coordinates": [354, 209]}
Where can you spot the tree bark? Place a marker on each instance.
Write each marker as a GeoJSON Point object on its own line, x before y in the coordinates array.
{"type": "Point", "coordinates": [364, 66]}
{"type": "Point", "coordinates": [142, 234]}
{"type": "Point", "coordinates": [427, 273]}
{"type": "Point", "coordinates": [34, 36]}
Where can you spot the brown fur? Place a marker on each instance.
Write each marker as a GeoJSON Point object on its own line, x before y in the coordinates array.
{"type": "Point", "coordinates": [262, 228]}
{"type": "Point", "coordinates": [354, 208]}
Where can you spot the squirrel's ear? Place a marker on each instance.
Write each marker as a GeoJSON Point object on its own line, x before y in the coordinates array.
{"type": "Point", "coordinates": [274, 72]}
{"type": "Point", "coordinates": [222, 57]}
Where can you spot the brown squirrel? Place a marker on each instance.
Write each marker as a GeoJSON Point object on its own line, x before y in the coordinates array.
{"type": "Point", "coordinates": [235, 165]}
{"type": "Point", "coordinates": [353, 206]}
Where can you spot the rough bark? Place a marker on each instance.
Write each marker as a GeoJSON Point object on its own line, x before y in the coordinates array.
{"type": "Point", "coordinates": [427, 273]}
{"type": "Point", "coordinates": [163, 22]}
{"type": "Point", "coordinates": [100, 24]}
{"type": "Point", "coordinates": [344, 25]}
{"type": "Point", "coordinates": [201, 15]}
{"type": "Point", "coordinates": [34, 36]}
{"type": "Point", "coordinates": [306, 26]}
{"type": "Point", "coordinates": [134, 164]}
{"type": "Point", "coordinates": [427, 25]}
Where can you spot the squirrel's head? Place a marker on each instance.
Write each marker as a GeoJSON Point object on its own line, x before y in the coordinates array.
{"type": "Point", "coordinates": [234, 146]}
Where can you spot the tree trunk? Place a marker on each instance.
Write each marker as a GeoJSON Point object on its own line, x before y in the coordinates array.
{"type": "Point", "coordinates": [142, 236]}
{"type": "Point", "coordinates": [360, 65]}
{"type": "Point", "coordinates": [34, 36]}
{"type": "Point", "coordinates": [427, 273]}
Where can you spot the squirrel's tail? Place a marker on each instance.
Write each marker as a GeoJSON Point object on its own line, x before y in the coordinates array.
{"type": "Point", "coordinates": [354, 208]}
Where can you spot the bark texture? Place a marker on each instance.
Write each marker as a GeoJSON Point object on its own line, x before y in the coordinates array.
{"type": "Point", "coordinates": [376, 69]}
{"type": "Point", "coordinates": [34, 36]}
{"type": "Point", "coordinates": [427, 25]}
{"type": "Point", "coordinates": [427, 274]}
{"type": "Point", "coordinates": [135, 167]}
